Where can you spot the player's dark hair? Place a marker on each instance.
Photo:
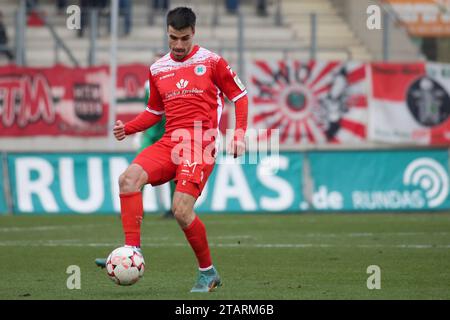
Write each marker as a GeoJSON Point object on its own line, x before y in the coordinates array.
{"type": "Point", "coordinates": [181, 18]}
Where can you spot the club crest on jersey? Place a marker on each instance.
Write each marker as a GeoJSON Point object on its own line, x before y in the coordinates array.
{"type": "Point", "coordinates": [182, 84]}
{"type": "Point", "coordinates": [200, 69]}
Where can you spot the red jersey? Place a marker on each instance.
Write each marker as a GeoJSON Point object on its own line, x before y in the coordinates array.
{"type": "Point", "coordinates": [192, 89]}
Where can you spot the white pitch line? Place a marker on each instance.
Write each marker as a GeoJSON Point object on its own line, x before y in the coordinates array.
{"type": "Point", "coordinates": [232, 237]}
{"type": "Point", "coordinates": [371, 234]}
{"type": "Point", "coordinates": [46, 228]}
{"type": "Point", "coordinates": [76, 243]}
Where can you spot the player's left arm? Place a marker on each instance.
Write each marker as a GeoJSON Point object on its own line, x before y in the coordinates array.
{"type": "Point", "coordinates": [237, 146]}
{"type": "Point", "coordinates": [230, 84]}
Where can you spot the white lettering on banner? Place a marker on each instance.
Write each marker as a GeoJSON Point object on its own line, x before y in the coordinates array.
{"type": "Point", "coordinates": [239, 188]}
{"type": "Point", "coordinates": [428, 175]}
{"type": "Point", "coordinates": [166, 196]}
{"type": "Point", "coordinates": [40, 187]}
{"type": "Point", "coordinates": [391, 199]}
{"type": "Point", "coordinates": [149, 198]}
{"type": "Point", "coordinates": [322, 199]}
{"type": "Point", "coordinates": [203, 196]}
{"type": "Point", "coordinates": [117, 165]}
{"type": "Point", "coordinates": [95, 185]}
{"type": "Point", "coordinates": [275, 183]}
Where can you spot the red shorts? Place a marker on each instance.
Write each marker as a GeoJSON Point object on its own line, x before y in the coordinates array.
{"type": "Point", "coordinates": [163, 163]}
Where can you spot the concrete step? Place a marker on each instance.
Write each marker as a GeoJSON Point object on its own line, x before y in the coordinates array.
{"type": "Point", "coordinates": [157, 34]}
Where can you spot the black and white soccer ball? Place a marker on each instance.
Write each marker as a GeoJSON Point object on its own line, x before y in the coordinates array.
{"type": "Point", "coordinates": [125, 266]}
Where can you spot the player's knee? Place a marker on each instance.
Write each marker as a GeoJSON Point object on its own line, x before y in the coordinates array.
{"type": "Point", "coordinates": [182, 210]}
{"type": "Point", "coordinates": [126, 182]}
{"type": "Point", "coordinates": [131, 181]}
{"type": "Point", "coordinates": [178, 208]}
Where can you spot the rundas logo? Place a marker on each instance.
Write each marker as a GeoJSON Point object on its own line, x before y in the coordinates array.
{"type": "Point", "coordinates": [431, 176]}
{"type": "Point", "coordinates": [182, 84]}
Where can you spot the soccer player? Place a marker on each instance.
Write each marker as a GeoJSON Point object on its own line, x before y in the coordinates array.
{"type": "Point", "coordinates": [149, 137]}
{"type": "Point", "coordinates": [187, 85]}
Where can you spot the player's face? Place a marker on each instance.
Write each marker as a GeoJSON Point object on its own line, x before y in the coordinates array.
{"type": "Point", "coordinates": [180, 41]}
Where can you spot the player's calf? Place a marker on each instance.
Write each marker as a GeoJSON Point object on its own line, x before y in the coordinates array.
{"type": "Point", "coordinates": [183, 209]}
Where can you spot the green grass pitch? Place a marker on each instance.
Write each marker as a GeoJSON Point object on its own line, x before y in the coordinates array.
{"type": "Point", "coordinates": [270, 256]}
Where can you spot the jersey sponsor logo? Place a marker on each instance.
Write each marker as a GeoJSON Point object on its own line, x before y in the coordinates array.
{"type": "Point", "coordinates": [182, 84]}
{"type": "Point", "coordinates": [200, 69]}
{"type": "Point", "coordinates": [170, 75]}
{"type": "Point", "coordinates": [181, 93]}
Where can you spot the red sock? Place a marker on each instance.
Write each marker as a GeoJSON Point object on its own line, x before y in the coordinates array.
{"type": "Point", "coordinates": [131, 208]}
{"type": "Point", "coordinates": [196, 235]}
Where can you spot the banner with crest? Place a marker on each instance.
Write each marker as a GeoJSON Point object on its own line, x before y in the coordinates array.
{"type": "Point", "coordinates": [312, 102]}
{"type": "Point", "coordinates": [410, 103]}
{"type": "Point", "coordinates": [53, 101]}
{"type": "Point", "coordinates": [67, 101]}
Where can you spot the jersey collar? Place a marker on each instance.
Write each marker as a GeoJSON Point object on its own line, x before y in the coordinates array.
{"type": "Point", "coordinates": [193, 51]}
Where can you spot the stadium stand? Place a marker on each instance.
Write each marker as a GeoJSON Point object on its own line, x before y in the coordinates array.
{"type": "Point", "coordinates": [335, 38]}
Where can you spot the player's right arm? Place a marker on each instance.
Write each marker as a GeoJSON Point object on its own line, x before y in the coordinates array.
{"type": "Point", "coordinates": [149, 117]}
{"type": "Point", "coordinates": [142, 122]}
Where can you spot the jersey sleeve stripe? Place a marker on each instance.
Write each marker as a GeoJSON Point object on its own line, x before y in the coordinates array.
{"type": "Point", "coordinates": [243, 93]}
{"type": "Point", "coordinates": [158, 113]}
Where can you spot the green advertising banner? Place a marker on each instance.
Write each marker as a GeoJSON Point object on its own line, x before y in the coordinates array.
{"type": "Point", "coordinates": [3, 204]}
{"type": "Point", "coordinates": [65, 183]}
{"type": "Point", "coordinates": [88, 183]}
{"type": "Point", "coordinates": [380, 180]}
{"type": "Point", "coordinates": [258, 184]}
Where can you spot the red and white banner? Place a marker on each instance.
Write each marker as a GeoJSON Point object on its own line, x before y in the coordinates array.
{"type": "Point", "coordinates": [67, 101]}
{"type": "Point", "coordinates": [410, 103]}
{"type": "Point", "coordinates": [130, 90]}
{"type": "Point", "coordinates": [310, 103]}
{"type": "Point", "coordinates": [53, 101]}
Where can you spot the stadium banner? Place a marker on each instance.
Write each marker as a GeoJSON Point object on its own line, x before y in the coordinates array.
{"type": "Point", "coordinates": [255, 183]}
{"type": "Point", "coordinates": [423, 18]}
{"type": "Point", "coordinates": [3, 204]}
{"type": "Point", "coordinates": [130, 92]}
{"type": "Point", "coordinates": [309, 102]}
{"type": "Point", "coordinates": [410, 103]}
{"type": "Point", "coordinates": [53, 101]}
{"type": "Point", "coordinates": [380, 180]}
{"type": "Point", "coordinates": [66, 101]}
{"type": "Point", "coordinates": [88, 183]}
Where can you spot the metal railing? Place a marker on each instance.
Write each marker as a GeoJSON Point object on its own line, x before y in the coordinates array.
{"type": "Point", "coordinates": [21, 23]}
{"type": "Point", "coordinates": [240, 47]}
{"type": "Point", "coordinates": [310, 46]}
{"type": "Point", "coordinates": [390, 19]}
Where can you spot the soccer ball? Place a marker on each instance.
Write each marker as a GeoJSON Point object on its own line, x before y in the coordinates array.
{"type": "Point", "coordinates": [125, 266]}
